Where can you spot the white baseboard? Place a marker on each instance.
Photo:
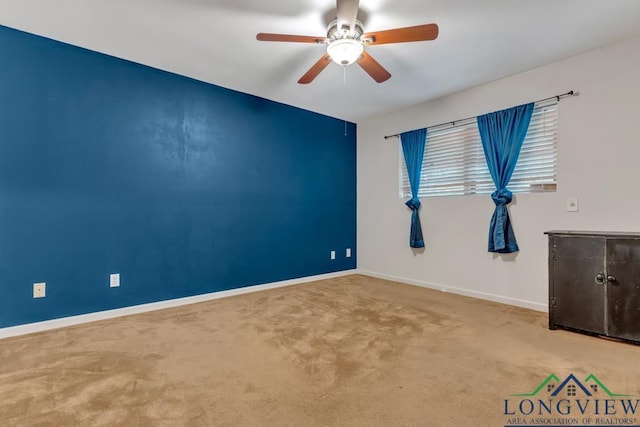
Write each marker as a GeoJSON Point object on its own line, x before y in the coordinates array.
{"type": "Point", "coordinates": [30, 328]}
{"type": "Point", "coordinates": [460, 291]}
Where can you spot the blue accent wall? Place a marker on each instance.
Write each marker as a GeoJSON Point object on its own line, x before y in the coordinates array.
{"type": "Point", "coordinates": [182, 187]}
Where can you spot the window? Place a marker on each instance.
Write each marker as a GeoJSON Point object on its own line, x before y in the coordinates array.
{"type": "Point", "coordinates": [571, 390]}
{"type": "Point", "coordinates": [454, 161]}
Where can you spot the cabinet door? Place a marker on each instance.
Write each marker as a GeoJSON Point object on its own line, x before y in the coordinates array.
{"type": "Point", "coordinates": [623, 290]}
{"type": "Point", "coordinates": [580, 301]}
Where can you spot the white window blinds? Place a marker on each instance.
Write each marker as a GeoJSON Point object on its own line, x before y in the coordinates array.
{"type": "Point", "coordinates": [454, 161]}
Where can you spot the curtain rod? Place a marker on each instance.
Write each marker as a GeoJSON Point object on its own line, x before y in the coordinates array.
{"type": "Point", "coordinates": [557, 97]}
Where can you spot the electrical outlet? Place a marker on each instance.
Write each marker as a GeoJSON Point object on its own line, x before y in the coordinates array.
{"type": "Point", "coordinates": [348, 253]}
{"type": "Point", "coordinates": [114, 280]}
{"type": "Point", "coordinates": [39, 290]}
{"type": "Point", "coordinates": [333, 254]}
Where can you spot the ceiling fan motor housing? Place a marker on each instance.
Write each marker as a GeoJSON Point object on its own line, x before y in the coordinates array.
{"type": "Point", "coordinates": [335, 33]}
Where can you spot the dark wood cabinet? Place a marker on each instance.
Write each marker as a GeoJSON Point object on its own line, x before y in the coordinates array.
{"type": "Point", "coordinates": [594, 283]}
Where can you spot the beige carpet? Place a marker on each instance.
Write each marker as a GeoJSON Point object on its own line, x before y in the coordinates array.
{"type": "Point", "coordinates": [354, 351]}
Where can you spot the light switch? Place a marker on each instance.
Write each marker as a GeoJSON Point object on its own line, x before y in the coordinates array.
{"type": "Point", "coordinates": [572, 204]}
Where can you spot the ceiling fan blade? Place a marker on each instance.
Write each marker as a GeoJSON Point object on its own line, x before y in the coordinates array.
{"type": "Point", "coordinates": [402, 35]}
{"type": "Point", "coordinates": [347, 13]}
{"type": "Point", "coordinates": [373, 68]}
{"type": "Point", "coordinates": [315, 70]}
{"type": "Point", "coordinates": [268, 37]}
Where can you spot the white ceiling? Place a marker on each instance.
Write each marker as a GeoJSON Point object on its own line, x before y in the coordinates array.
{"type": "Point", "coordinates": [214, 41]}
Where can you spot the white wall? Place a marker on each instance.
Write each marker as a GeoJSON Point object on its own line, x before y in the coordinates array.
{"type": "Point", "coordinates": [598, 161]}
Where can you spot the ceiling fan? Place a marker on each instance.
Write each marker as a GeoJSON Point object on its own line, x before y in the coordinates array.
{"type": "Point", "coordinates": [346, 42]}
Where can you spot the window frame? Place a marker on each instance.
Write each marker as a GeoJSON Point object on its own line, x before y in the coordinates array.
{"type": "Point", "coordinates": [476, 178]}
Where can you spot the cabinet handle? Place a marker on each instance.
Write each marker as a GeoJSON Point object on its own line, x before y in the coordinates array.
{"type": "Point", "coordinates": [600, 279]}
{"type": "Point", "coordinates": [611, 278]}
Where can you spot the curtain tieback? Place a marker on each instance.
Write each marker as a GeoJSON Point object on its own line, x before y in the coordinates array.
{"type": "Point", "coordinates": [502, 197]}
{"type": "Point", "coordinates": [414, 205]}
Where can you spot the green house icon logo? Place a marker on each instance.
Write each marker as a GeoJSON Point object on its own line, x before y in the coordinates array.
{"type": "Point", "coordinates": [571, 386]}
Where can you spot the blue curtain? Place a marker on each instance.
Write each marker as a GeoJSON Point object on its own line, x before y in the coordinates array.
{"type": "Point", "coordinates": [502, 136]}
{"type": "Point", "coordinates": [413, 144]}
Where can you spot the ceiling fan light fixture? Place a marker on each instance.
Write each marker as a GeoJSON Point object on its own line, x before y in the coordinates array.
{"type": "Point", "coordinates": [345, 51]}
